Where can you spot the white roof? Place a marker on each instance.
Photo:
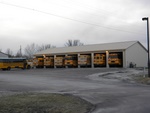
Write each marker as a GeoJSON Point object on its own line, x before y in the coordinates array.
{"type": "Point", "coordinates": [88, 48]}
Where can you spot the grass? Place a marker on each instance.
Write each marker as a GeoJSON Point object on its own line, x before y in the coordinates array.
{"type": "Point", "coordinates": [143, 80]}
{"type": "Point", "coordinates": [43, 103]}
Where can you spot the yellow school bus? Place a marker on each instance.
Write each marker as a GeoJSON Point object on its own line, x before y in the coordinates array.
{"type": "Point", "coordinates": [115, 59]}
{"type": "Point", "coordinates": [84, 60]}
{"type": "Point", "coordinates": [49, 62]}
{"type": "Point", "coordinates": [99, 59]}
{"type": "Point", "coordinates": [38, 62]}
{"type": "Point", "coordinates": [30, 63]}
{"type": "Point", "coordinates": [8, 63]}
{"type": "Point", "coordinates": [71, 61]}
{"type": "Point", "coordinates": [59, 61]}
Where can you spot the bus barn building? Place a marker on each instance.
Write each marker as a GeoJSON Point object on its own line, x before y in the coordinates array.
{"type": "Point", "coordinates": [130, 52]}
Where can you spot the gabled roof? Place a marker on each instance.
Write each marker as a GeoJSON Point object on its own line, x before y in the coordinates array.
{"type": "Point", "coordinates": [3, 54]}
{"type": "Point", "coordinates": [89, 48]}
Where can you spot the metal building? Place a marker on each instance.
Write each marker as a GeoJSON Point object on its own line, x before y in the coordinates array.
{"type": "Point", "coordinates": [132, 52]}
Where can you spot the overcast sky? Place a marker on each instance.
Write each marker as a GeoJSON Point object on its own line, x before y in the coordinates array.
{"type": "Point", "coordinates": [23, 22]}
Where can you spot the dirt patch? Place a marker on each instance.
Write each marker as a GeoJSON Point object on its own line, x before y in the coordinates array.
{"type": "Point", "coordinates": [44, 103]}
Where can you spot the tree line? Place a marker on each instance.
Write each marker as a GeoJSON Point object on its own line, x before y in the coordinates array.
{"type": "Point", "coordinates": [31, 49]}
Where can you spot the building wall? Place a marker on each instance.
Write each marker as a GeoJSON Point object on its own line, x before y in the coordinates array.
{"type": "Point", "coordinates": [137, 55]}
{"type": "Point", "coordinates": [2, 55]}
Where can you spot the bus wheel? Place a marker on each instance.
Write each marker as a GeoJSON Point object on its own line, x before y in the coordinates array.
{"type": "Point", "coordinates": [8, 68]}
{"type": "Point", "coordinates": [28, 67]}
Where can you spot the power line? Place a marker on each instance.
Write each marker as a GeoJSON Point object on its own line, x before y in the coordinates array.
{"type": "Point", "coordinates": [99, 11]}
{"type": "Point", "coordinates": [89, 7]}
{"type": "Point", "coordinates": [14, 5]}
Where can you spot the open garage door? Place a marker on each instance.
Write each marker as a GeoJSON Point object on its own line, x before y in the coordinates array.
{"type": "Point", "coordinates": [115, 59]}
{"type": "Point", "coordinates": [100, 60]}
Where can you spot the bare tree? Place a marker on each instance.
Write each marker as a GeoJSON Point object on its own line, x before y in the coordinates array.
{"type": "Point", "coordinates": [73, 43]}
{"type": "Point", "coordinates": [19, 53]}
{"type": "Point", "coordinates": [30, 50]}
{"type": "Point", "coordinates": [44, 47]}
{"type": "Point", "coordinates": [9, 52]}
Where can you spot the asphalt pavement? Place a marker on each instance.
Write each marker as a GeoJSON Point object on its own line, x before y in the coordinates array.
{"type": "Point", "coordinates": [110, 90]}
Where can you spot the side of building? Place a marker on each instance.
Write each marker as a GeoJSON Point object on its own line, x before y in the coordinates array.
{"type": "Point", "coordinates": [136, 55]}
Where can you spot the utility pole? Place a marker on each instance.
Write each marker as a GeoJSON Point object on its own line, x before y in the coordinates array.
{"type": "Point", "coordinates": [146, 18]}
{"type": "Point", "coordinates": [20, 51]}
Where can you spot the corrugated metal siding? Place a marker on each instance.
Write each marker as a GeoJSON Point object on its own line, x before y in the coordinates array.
{"type": "Point", "coordinates": [89, 48]}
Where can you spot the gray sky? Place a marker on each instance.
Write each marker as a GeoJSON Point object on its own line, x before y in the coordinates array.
{"type": "Point", "coordinates": [23, 22]}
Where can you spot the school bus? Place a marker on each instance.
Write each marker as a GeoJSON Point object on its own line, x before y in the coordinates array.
{"type": "Point", "coordinates": [99, 59]}
{"type": "Point", "coordinates": [115, 59]}
{"type": "Point", "coordinates": [38, 62]}
{"type": "Point", "coordinates": [8, 63]}
{"type": "Point", "coordinates": [84, 60]}
{"type": "Point", "coordinates": [71, 61]}
{"type": "Point", "coordinates": [30, 63]}
{"type": "Point", "coordinates": [49, 62]}
{"type": "Point", "coordinates": [59, 61]}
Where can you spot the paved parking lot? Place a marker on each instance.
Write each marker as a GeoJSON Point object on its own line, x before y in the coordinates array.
{"type": "Point", "coordinates": [111, 90]}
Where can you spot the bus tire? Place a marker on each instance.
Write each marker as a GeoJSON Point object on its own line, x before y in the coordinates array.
{"type": "Point", "coordinates": [28, 67]}
{"type": "Point", "coordinates": [8, 68]}
{"type": "Point", "coordinates": [3, 69]}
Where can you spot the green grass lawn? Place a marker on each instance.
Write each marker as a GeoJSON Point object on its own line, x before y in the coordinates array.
{"type": "Point", "coordinates": [44, 103]}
